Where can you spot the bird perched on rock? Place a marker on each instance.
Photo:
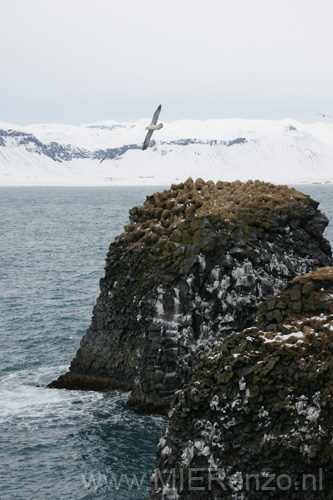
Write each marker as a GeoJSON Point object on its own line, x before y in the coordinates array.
{"type": "Point", "coordinates": [153, 126]}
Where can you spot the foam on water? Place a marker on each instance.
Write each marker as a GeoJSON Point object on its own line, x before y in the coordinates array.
{"type": "Point", "coordinates": [61, 444]}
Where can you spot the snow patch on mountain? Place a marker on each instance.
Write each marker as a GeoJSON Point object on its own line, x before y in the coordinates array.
{"type": "Point", "coordinates": [284, 151]}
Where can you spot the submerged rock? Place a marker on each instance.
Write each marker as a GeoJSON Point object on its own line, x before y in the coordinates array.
{"type": "Point", "coordinates": [256, 420]}
{"type": "Point", "coordinates": [190, 269]}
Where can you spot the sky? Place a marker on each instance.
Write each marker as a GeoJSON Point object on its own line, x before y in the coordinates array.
{"type": "Point", "coordinates": [83, 61]}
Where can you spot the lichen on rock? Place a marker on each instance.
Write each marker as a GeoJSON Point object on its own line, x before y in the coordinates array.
{"type": "Point", "coordinates": [191, 268]}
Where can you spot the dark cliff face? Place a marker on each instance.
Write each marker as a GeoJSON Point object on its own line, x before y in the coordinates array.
{"type": "Point", "coordinates": [190, 269]}
{"type": "Point", "coordinates": [259, 407]}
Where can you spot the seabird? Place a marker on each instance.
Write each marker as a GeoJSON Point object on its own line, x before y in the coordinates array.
{"type": "Point", "coordinates": [152, 127]}
{"type": "Point", "coordinates": [324, 116]}
{"type": "Point", "coordinates": [104, 158]}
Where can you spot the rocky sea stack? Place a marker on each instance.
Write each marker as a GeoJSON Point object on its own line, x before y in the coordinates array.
{"type": "Point", "coordinates": [256, 420]}
{"type": "Point", "coordinates": [191, 268]}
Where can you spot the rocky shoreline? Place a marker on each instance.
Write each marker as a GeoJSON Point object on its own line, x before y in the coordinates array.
{"type": "Point", "coordinates": [217, 302]}
{"type": "Point", "coordinates": [191, 268]}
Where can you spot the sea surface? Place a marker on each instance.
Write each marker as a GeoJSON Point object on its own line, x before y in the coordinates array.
{"type": "Point", "coordinates": [58, 444]}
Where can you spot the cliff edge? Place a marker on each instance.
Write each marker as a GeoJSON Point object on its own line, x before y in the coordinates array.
{"type": "Point", "coordinates": [190, 269]}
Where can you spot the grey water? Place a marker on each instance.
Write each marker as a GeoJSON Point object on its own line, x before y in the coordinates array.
{"type": "Point", "coordinates": [58, 444]}
{"type": "Point", "coordinates": [62, 444]}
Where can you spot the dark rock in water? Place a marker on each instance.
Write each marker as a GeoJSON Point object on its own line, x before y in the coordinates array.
{"type": "Point", "coordinates": [190, 269]}
{"type": "Point", "coordinates": [256, 420]}
{"type": "Point", "coordinates": [77, 382]}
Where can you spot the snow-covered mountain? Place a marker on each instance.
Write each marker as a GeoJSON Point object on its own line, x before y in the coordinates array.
{"type": "Point", "coordinates": [61, 155]}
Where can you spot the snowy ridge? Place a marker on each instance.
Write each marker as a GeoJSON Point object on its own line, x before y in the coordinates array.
{"type": "Point", "coordinates": [284, 151]}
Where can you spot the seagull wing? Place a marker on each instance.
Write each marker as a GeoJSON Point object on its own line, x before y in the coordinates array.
{"type": "Point", "coordinates": [147, 139]}
{"type": "Point", "coordinates": [156, 115]}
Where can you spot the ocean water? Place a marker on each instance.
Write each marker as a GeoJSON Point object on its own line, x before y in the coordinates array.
{"type": "Point", "coordinates": [58, 444]}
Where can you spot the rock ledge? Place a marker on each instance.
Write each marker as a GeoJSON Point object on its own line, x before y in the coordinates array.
{"type": "Point", "coordinates": [259, 405]}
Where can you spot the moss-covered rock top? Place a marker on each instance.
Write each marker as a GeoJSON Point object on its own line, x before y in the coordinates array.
{"type": "Point", "coordinates": [163, 212]}
{"type": "Point", "coordinates": [303, 306]}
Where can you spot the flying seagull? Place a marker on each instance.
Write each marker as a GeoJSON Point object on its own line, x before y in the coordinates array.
{"type": "Point", "coordinates": [104, 158]}
{"type": "Point", "coordinates": [324, 116]}
{"type": "Point", "coordinates": [152, 127]}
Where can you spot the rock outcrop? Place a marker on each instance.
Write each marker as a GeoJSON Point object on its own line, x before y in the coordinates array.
{"type": "Point", "coordinates": [256, 420]}
{"type": "Point", "coordinates": [190, 269]}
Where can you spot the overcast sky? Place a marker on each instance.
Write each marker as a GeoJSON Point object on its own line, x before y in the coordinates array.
{"type": "Point", "coordinates": [79, 61]}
